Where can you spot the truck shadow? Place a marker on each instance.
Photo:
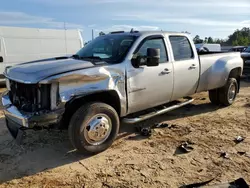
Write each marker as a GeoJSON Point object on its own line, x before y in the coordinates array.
{"type": "Point", "coordinates": [186, 111]}
{"type": "Point", "coordinates": [39, 151]}
{"type": "Point", "coordinates": [44, 150]}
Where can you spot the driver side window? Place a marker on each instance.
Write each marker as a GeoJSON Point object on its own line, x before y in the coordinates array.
{"type": "Point", "coordinates": [154, 43]}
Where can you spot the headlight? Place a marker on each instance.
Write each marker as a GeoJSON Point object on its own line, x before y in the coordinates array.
{"type": "Point", "coordinates": [54, 95]}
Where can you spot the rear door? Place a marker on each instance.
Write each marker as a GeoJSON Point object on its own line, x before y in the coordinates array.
{"type": "Point", "coordinates": [186, 67]}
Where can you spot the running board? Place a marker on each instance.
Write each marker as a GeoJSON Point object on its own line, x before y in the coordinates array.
{"type": "Point", "coordinates": [156, 113]}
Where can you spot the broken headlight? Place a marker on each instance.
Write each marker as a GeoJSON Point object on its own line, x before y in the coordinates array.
{"type": "Point", "coordinates": [54, 95]}
{"type": "Point", "coordinates": [8, 84]}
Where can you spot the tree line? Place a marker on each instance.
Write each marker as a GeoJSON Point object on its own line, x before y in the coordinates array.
{"type": "Point", "coordinates": [238, 38]}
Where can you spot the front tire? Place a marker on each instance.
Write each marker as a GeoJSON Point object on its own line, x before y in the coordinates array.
{"type": "Point", "coordinates": [93, 127]}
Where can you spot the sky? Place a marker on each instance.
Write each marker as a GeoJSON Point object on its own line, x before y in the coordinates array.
{"type": "Point", "coordinates": [215, 18]}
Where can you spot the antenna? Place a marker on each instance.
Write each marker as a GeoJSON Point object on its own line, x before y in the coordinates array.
{"type": "Point", "coordinates": [132, 30]}
{"type": "Point", "coordinates": [65, 35]}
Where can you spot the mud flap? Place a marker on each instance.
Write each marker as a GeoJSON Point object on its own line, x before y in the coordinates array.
{"type": "Point", "coordinates": [16, 131]}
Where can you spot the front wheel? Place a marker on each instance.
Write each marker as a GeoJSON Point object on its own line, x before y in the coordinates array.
{"type": "Point", "coordinates": [94, 127]}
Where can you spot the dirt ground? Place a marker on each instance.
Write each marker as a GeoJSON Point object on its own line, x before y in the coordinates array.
{"type": "Point", "coordinates": [46, 158]}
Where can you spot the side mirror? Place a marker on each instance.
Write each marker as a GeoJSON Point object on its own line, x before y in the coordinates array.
{"type": "Point", "coordinates": [153, 57]}
{"type": "Point", "coordinates": [1, 59]}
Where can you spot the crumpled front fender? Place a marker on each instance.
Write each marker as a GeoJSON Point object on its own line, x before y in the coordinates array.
{"type": "Point", "coordinates": [93, 80]}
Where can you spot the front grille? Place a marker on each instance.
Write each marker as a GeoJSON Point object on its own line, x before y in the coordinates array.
{"type": "Point", "coordinates": [30, 97]}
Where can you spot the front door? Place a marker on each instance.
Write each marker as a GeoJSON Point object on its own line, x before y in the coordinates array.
{"type": "Point", "coordinates": [186, 67]}
{"type": "Point", "coordinates": [150, 86]}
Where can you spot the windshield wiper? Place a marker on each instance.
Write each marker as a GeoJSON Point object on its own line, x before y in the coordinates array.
{"type": "Point", "coordinates": [91, 57]}
{"type": "Point", "coordinates": [75, 56]}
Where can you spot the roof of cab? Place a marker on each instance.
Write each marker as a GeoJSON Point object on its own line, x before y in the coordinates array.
{"type": "Point", "coordinates": [139, 33]}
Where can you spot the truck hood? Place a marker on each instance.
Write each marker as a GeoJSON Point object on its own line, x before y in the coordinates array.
{"type": "Point", "coordinates": [36, 71]}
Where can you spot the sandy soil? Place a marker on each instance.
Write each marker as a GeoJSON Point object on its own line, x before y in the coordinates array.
{"type": "Point", "coordinates": [46, 158]}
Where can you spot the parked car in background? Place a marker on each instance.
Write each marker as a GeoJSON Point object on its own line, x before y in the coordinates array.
{"type": "Point", "coordinates": [238, 49]}
{"type": "Point", "coordinates": [204, 47]}
{"type": "Point", "coordinates": [128, 76]}
{"type": "Point", "coordinates": [19, 45]}
{"type": "Point", "coordinates": [246, 57]}
{"type": "Point", "coordinates": [247, 50]}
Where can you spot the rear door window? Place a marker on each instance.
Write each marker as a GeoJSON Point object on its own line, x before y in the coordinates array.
{"type": "Point", "coordinates": [182, 49]}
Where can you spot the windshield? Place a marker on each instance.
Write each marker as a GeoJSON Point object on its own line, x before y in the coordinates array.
{"type": "Point", "coordinates": [109, 48]}
{"type": "Point", "coordinates": [248, 49]}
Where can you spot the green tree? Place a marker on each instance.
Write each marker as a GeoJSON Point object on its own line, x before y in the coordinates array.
{"type": "Point", "coordinates": [239, 37]}
{"type": "Point", "coordinates": [101, 33]}
{"type": "Point", "coordinates": [205, 39]}
{"type": "Point", "coordinates": [210, 40]}
{"type": "Point", "coordinates": [197, 39]}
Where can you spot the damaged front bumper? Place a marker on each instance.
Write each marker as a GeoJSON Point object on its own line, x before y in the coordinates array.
{"type": "Point", "coordinates": [17, 120]}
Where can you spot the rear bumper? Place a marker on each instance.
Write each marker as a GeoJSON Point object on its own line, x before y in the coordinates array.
{"type": "Point", "coordinates": [18, 119]}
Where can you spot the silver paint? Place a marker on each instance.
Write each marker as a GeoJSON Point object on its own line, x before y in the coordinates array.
{"type": "Point", "coordinates": [138, 88]}
{"type": "Point", "coordinates": [12, 112]}
{"type": "Point", "coordinates": [36, 71]}
{"type": "Point", "coordinates": [53, 96]}
{"type": "Point", "coordinates": [88, 81]}
{"type": "Point", "coordinates": [231, 92]}
{"type": "Point", "coordinates": [97, 129]}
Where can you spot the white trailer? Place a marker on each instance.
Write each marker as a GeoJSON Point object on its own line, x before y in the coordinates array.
{"type": "Point", "coordinates": [18, 45]}
{"type": "Point", "coordinates": [208, 47]}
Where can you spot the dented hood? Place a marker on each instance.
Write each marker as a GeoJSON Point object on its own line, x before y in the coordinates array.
{"type": "Point", "coordinates": [36, 71]}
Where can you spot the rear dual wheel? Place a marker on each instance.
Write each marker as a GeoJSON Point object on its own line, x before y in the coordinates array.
{"type": "Point", "coordinates": [225, 95]}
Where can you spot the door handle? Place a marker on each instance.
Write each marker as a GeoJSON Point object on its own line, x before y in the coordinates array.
{"type": "Point", "coordinates": [166, 71]}
{"type": "Point", "coordinates": [193, 66]}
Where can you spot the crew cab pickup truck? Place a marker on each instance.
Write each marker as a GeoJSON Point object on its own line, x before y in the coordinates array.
{"type": "Point", "coordinates": [121, 76]}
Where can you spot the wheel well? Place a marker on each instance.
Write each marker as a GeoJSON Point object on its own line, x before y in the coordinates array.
{"type": "Point", "coordinates": [109, 97]}
{"type": "Point", "coordinates": [235, 73]}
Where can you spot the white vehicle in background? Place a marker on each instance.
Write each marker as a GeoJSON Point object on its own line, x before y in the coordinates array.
{"type": "Point", "coordinates": [204, 47]}
{"type": "Point", "coordinates": [18, 45]}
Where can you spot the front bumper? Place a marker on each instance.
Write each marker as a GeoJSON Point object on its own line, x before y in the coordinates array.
{"type": "Point", "coordinates": [16, 119]}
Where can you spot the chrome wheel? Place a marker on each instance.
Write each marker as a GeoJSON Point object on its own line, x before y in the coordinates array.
{"type": "Point", "coordinates": [232, 92]}
{"type": "Point", "coordinates": [98, 129]}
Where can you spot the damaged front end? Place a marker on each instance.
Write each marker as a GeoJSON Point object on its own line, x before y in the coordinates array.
{"type": "Point", "coordinates": [42, 103]}
{"type": "Point", "coordinates": [29, 105]}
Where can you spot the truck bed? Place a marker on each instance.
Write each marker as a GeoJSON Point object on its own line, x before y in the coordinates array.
{"type": "Point", "coordinates": [207, 53]}
{"type": "Point", "coordinates": [213, 67]}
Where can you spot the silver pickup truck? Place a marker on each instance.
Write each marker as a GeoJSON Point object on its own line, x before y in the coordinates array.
{"type": "Point", "coordinates": [121, 76]}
